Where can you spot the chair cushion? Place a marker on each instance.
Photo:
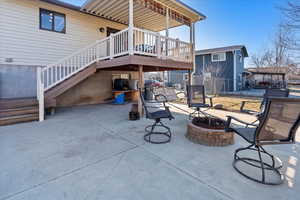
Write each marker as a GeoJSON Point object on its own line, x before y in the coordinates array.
{"type": "Point", "coordinates": [247, 133]}
{"type": "Point", "coordinates": [160, 114]}
{"type": "Point", "coordinates": [199, 105]}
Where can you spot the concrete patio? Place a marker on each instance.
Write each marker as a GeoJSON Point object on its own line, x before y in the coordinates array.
{"type": "Point", "coordinates": [94, 152]}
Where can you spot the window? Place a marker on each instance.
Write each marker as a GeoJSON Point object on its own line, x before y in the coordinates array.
{"type": "Point", "coordinates": [52, 21]}
{"type": "Point", "coordinates": [216, 57]}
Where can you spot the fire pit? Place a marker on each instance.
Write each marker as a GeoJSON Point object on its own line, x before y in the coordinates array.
{"type": "Point", "coordinates": [209, 131]}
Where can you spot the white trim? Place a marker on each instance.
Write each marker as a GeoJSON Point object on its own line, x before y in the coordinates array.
{"type": "Point", "coordinates": [234, 70]}
{"type": "Point", "coordinates": [221, 60]}
{"type": "Point", "coordinates": [213, 52]}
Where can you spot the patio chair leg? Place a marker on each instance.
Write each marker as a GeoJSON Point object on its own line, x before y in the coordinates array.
{"type": "Point", "coordinates": [150, 132]}
{"type": "Point", "coordinates": [273, 159]}
{"type": "Point", "coordinates": [262, 166]}
{"type": "Point", "coordinates": [258, 163]}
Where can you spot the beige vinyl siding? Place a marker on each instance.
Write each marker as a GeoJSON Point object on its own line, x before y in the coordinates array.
{"type": "Point", "coordinates": [22, 40]}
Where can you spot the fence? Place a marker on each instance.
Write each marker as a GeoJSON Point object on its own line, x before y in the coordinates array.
{"type": "Point", "coordinates": [215, 86]}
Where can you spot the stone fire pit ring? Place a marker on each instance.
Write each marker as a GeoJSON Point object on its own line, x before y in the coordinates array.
{"type": "Point", "coordinates": [209, 137]}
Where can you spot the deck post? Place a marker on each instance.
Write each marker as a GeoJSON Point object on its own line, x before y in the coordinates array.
{"type": "Point", "coordinates": [130, 28]}
{"type": "Point", "coordinates": [141, 85]}
{"type": "Point", "coordinates": [40, 93]}
{"type": "Point", "coordinates": [111, 46]}
{"type": "Point", "coordinates": [192, 41]}
{"type": "Point", "coordinates": [158, 45]}
{"type": "Point", "coordinates": [167, 30]}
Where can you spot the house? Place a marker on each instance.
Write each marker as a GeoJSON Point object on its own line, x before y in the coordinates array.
{"type": "Point", "coordinates": [65, 55]}
{"type": "Point", "coordinates": [224, 64]}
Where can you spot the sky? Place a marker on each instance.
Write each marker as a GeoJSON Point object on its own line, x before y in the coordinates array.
{"type": "Point", "coordinates": [252, 23]}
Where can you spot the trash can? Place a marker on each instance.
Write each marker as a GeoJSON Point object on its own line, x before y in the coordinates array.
{"type": "Point", "coordinates": [148, 93]}
{"type": "Point", "coordinates": [120, 99]}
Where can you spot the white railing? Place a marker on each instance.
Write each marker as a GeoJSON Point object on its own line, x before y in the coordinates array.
{"type": "Point", "coordinates": [119, 45]}
{"type": "Point", "coordinates": [176, 50]}
{"type": "Point", "coordinates": [153, 44]}
{"type": "Point", "coordinates": [144, 43]}
{"type": "Point", "coordinates": [56, 73]}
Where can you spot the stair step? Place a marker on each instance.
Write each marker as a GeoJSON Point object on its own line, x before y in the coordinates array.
{"type": "Point", "coordinates": [18, 119]}
{"type": "Point", "coordinates": [17, 103]}
{"type": "Point", "coordinates": [19, 111]}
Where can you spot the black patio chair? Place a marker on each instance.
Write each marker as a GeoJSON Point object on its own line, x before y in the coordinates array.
{"type": "Point", "coordinates": [196, 99]}
{"type": "Point", "coordinates": [157, 115]}
{"type": "Point", "coordinates": [279, 124]}
{"type": "Point", "coordinates": [269, 93]}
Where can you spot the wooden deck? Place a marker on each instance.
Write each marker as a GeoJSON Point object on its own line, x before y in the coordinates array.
{"type": "Point", "coordinates": [150, 64]}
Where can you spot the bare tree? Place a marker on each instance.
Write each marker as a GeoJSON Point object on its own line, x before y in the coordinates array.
{"type": "Point", "coordinates": [278, 55]}
{"type": "Point", "coordinates": [291, 22]}
{"type": "Point", "coordinates": [263, 60]}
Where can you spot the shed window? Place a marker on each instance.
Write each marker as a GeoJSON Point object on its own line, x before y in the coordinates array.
{"type": "Point", "coordinates": [52, 21]}
{"type": "Point", "coordinates": [216, 57]}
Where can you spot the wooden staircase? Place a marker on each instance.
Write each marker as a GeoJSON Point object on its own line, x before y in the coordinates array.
{"type": "Point", "coordinates": [51, 94]}
{"type": "Point", "coordinates": [14, 111]}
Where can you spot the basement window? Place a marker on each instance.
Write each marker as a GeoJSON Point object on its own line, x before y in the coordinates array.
{"type": "Point", "coordinates": [217, 57]}
{"type": "Point", "coordinates": [52, 21]}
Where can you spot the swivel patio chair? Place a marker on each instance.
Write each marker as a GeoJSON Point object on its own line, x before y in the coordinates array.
{"type": "Point", "coordinates": [268, 94]}
{"type": "Point", "coordinates": [196, 99]}
{"type": "Point", "coordinates": [157, 115]}
{"type": "Point", "coordinates": [279, 124]}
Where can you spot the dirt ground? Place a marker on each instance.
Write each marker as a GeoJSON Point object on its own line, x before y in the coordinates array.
{"type": "Point", "coordinates": [233, 103]}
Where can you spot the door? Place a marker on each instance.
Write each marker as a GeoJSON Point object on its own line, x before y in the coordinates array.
{"type": "Point", "coordinates": [109, 31]}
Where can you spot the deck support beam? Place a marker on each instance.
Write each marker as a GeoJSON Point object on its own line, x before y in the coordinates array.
{"type": "Point", "coordinates": [130, 26]}
{"type": "Point", "coordinates": [167, 29]}
{"type": "Point", "coordinates": [193, 41]}
{"type": "Point", "coordinates": [40, 94]}
{"type": "Point", "coordinates": [141, 86]}
{"type": "Point", "coordinates": [167, 36]}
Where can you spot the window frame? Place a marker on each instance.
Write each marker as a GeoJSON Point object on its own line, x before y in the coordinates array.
{"type": "Point", "coordinates": [53, 21]}
{"type": "Point", "coordinates": [219, 60]}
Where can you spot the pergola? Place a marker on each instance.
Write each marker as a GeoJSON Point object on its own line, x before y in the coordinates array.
{"type": "Point", "coordinates": [154, 15]}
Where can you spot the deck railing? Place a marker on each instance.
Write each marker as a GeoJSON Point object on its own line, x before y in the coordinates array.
{"type": "Point", "coordinates": [145, 42]}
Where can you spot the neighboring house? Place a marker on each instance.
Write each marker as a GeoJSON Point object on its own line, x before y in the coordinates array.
{"type": "Point", "coordinates": [225, 64]}
{"type": "Point", "coordinates": [66, 55]}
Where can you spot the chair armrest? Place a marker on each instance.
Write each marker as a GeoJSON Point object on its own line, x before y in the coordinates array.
{"type": "Point", "coordinates": [170, 114]}
{"type": "Point", "coordinates": [163, 97]}
{"type": "Point", "coordinates": [243, 105]}
{"type": "Point", "coordinates": [229, 120]}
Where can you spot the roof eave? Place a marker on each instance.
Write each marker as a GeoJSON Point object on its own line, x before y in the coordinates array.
{"type": "Point", "coordinates": [200, 15]}
{"type": "Point", "coordinates": [62, 4]}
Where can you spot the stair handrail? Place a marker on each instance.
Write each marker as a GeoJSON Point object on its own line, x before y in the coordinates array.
{"type": "Point", "coordinates": [75, 53]}
{"type": "Point", "coordinates": [51, 72]}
